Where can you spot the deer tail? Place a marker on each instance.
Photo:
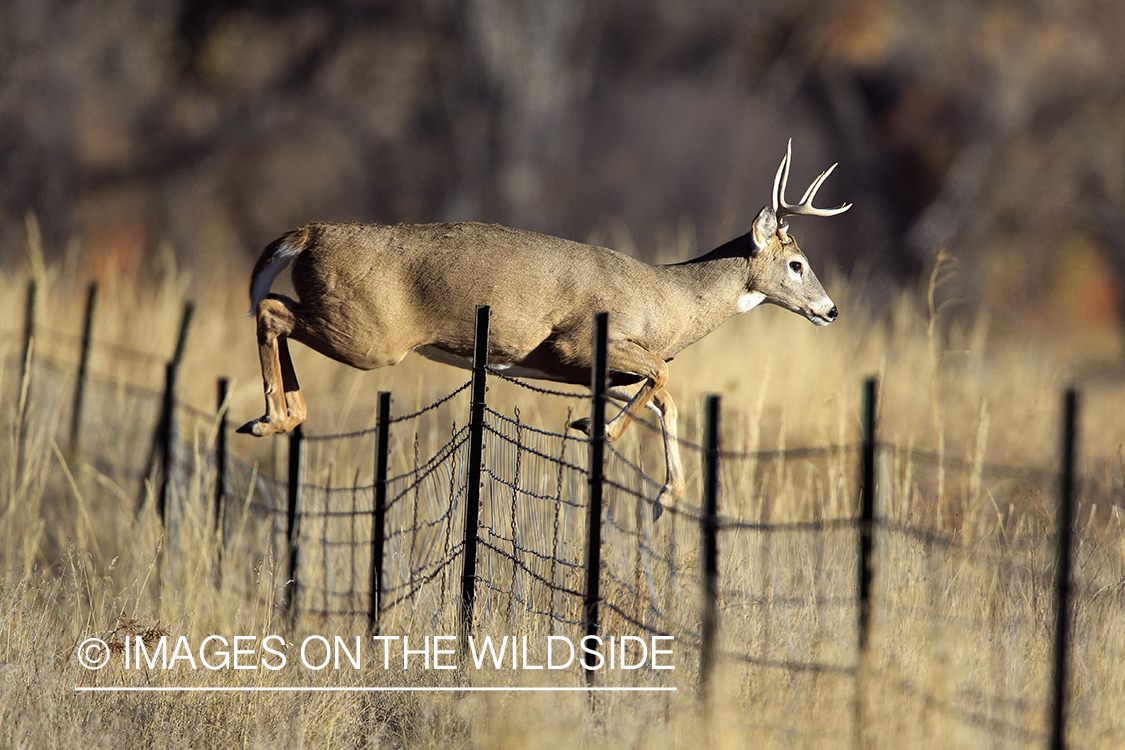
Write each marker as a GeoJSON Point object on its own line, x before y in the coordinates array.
{"type": "Point", "coordinates": [274, 259]}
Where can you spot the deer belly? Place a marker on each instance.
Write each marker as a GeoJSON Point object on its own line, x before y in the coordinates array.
{"type": "Point", "coordinates": [466, 363]}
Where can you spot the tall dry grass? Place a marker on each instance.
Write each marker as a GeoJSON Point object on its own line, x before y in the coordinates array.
{"type": "Point", "coordinates": [961, 653]}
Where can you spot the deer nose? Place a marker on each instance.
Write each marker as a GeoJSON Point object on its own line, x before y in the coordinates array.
{"type": "Point", "coordinates": [833, 313]}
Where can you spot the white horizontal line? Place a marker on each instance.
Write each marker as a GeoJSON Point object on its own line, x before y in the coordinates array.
{"type": "Point", "coordinates": [299, 689]}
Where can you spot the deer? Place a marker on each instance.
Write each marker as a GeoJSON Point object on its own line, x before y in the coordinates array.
{"type": "Point", "coordinates": [370, 294]}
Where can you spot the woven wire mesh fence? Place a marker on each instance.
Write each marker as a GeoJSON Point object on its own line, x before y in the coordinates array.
{"type": "Point", "coordinates": [532, 528]}
{"type": "Point", "coordinates": [965, 589]}
{"type": "Point", "coordinates": [424, 497]}
{"type": "Point", "coordinates": [530, 536]}
{"type": "Point", "coordinates": [115, 407]}
{"type": "Point", "coordinates": [965, 551]}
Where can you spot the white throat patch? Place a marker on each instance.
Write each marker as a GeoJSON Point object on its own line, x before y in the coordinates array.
{"type": "Point", "coordinates": [750, 300]}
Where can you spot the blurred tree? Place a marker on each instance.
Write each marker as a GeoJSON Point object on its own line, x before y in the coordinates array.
{"type": "Point", "coordinates": [993, 129]}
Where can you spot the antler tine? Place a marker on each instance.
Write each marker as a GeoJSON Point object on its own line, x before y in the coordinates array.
{"type": "Point", "coordinates": [811, 192]}
{"type": "Point", "coordinates": [805, 206]}
{"type": "Point", "coordinates": [782, 179]}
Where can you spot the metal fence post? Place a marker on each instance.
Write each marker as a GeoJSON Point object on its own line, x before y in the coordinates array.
{"type": "Point", "coordinates": [28, 329]}
{"type": "Point", "coordinates": [1062, 570]}
{"type": "Point", "coordinates": [83, 368]}
{"type": "Point", "coordinates": [867, 514]}
{"type": "Point", "coordinates": [379, 512]}
{"type": "Point", "coordinates": [222, 391]}
{"type": "Point", "coordinates": [293, 527]}
{"type": "Point", "coordinates": [866, 547]}
{"type": "Point", "coordinates": [709, 527]}
{"type": "Point", "coordinates": [164, 427]}
{"type": "Point", "coordinates": [181, 337]}
{"type": "Point", "coordinates": [26, 355]}
{"type": "Point", "coordinates": [473, 475]}
{"type": "Point", "coordinates": [166, 440]}
{"type": "Point", "coordinates": [597, 477]}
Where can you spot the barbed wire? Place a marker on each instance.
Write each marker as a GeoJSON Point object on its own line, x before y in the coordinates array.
{"type": "Point", "coordinates": [411, 588]}
{"type": "Point", "coordinates": [528, 606]}
{"type": "Point", "coordinates": [725, 523]}
{"type": "Point", "coordinates": [99, 377]}
{"type": "Point", "coordinates": [517, 568]}
{"type": "Point", "coordinates": [551, 585]}
{"type": "Point", "coordinates": [1040, 474]}
{"type": "Point", "coordinates": [392, 420]}
{"type": "Point", "coordinates": [1021, 730]}
{"type": "Point", "coordinates": [535, 388]}
{"type": "Point", "coordinates": [733, 599]}
{"type": "Point", "coordinates": [120, 350]}
{"type": "Point", "coordinates": [688, 638]}
{"type": "Point", "coordinates": [445, 399]}
{"type": "Point", "coordinates": [615, 454]}
{"type": "Point", "coordinates": [986, 468]}
{"type": "Point", "coordinates": [420, 474]}
{"type": "Point", "coordinates": [421, 526]}
{"type": "Point", "coordinates": [535, 553]}
{"type": "Point", "coordinates": [790, 665]}
{"type": "Point", "coordinates": [506, 420]}
{"type": "Point", "coordinates": [774, 454]}
{"type": "Point", "coordinates": [508, 439]}
{"type": "Point", "coordinates": [499, 479]}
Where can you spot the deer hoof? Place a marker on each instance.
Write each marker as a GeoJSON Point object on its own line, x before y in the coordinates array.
{"type": "Point", "coordinates": [657, 510]}
{"type": "Point", "coordinates": [582, 425]}
{"type": "Point", "coordinates": [260, 427]}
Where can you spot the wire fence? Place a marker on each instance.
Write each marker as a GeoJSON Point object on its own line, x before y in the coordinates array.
{"type": "Point", "coordinates": [957, 545]}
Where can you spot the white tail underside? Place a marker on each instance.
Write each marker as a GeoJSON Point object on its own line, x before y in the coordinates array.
{"type": "Point", "coordinates": [261, 284]}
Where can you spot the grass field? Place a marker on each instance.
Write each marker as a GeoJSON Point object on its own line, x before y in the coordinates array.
{"type": "Point", "coordinates": [963, 611]}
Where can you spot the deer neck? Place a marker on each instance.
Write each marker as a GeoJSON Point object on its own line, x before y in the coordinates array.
{"type": "Point", "coordinates": [712, 288]}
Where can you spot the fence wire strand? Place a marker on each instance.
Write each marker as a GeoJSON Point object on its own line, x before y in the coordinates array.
{"type": "Point", "coordinates": [532, 554]}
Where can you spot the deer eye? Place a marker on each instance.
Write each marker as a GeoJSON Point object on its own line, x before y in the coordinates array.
{"type": "Point", "coordinates": [796, 266]}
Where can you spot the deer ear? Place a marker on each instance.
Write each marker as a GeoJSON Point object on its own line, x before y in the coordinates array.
{"type": "Point", "coordinates": [765, 226]}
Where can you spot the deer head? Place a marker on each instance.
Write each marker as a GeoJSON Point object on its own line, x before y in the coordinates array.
{"type": "Point", "coordinates": [780, 272]}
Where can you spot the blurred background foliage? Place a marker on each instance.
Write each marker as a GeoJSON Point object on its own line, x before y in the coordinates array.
{"type": "Point", "coordinates": [993, 129]}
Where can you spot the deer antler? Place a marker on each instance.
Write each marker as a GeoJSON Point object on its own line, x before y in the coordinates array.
{"type": "Point", "coordinates": [805, 207]}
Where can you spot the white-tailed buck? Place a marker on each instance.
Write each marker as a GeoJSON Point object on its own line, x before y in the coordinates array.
{"type": "Point", "coordinates": [370, 294]}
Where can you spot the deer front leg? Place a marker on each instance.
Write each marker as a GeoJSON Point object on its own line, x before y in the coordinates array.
{"type": "Point", "coordinates": [285, 407]}
{"type": "Point", "coordinates": [630, 357]}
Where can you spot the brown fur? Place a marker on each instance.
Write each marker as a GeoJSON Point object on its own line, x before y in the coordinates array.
{"type": "Point", "coordinates": [369, 294]}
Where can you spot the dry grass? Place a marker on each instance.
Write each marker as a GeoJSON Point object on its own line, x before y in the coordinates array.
{"type": "Point", "coordinates": [963, 617]}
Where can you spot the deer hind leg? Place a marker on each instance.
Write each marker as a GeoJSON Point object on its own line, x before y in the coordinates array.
{"type": "Point", "coordinates": [674, 482]}
{"type": "Point", "coordinates": [668, 414]}
{"type": "Point", "coordinates": [285, 406]}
